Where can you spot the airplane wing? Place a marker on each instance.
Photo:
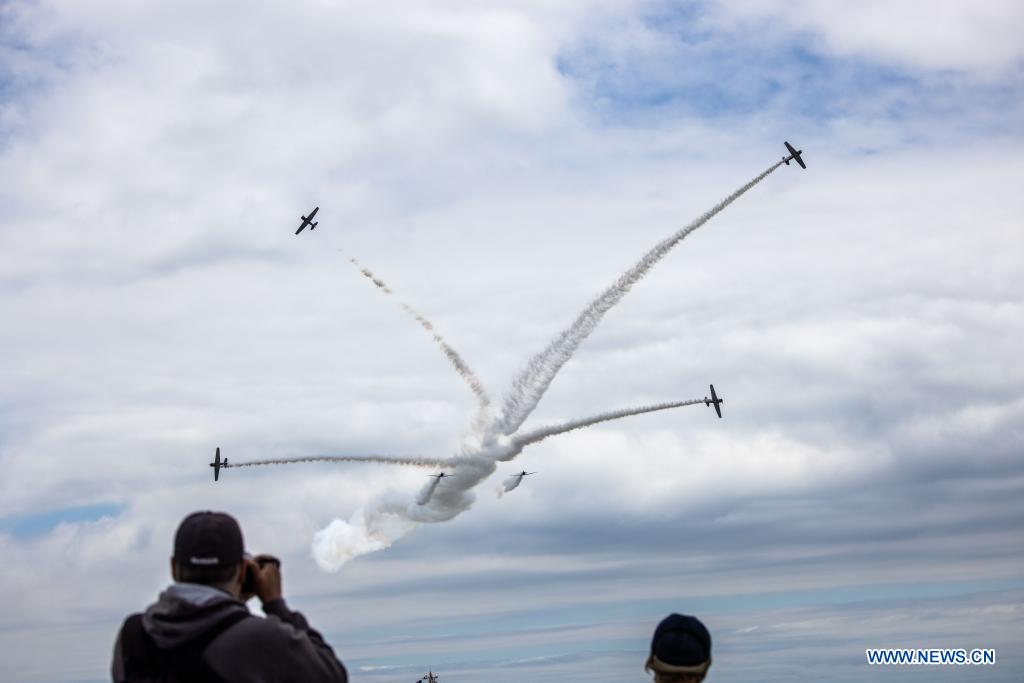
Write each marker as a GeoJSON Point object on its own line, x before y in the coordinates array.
{"type": "Point", "coordinates": [306, 220]}
{"type": "Point", "coordinates": [795, 155]}
{"type": "Point", "coordinates": [716, 401]}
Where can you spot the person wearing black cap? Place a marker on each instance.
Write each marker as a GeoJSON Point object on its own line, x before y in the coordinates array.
{"type": "Point", "coordinates": [680, 650]}
{"type": "Point", "coordinates": [200, 631]}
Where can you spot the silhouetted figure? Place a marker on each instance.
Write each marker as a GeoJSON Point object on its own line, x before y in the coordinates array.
{"type": "Point", "coordinates": [199, 629]}
{"type": "Point", "coordinates": [680, 650]}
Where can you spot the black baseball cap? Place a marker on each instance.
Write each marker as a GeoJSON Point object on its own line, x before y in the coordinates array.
{"type": "Point", "coordinates": [208, 539]}
{"type": "Point", "coordinates": [681, 644]}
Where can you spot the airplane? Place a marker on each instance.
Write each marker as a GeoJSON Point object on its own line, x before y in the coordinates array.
{"type": "Point", "coordinates": [524, 473]}
{"type": "Point", "coordinates": [794, 154]}
{"type": "Point", "coordinates": [714, 400]}
{"type": "Point", "coordinates": [439, 477]}
{"type": "Point", "coordinates": [430, 677]}
{"type": "Point", "coordinates": [217, 465]}
{"type": "Point", "coordinates": [312, 226]}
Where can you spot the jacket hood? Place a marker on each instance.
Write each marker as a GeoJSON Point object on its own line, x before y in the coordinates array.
{"type": "Point", "coordinates": [185, 611]}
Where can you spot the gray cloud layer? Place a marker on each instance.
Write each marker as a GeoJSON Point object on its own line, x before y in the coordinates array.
{"type": "Point", "coordinates": [860, 318]}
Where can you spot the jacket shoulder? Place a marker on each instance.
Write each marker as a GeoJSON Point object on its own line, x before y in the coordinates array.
{"type": "Point", "coordinates": [271, 649]}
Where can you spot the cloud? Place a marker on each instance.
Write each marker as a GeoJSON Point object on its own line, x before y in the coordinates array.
{"type": "Point", "coordinates": [976, 38]}
{"type": "Point", "coordinates": [499, 166]}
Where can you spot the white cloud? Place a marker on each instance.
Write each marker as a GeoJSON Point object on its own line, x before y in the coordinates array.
{"type": "Point", "coordinates": [979, 37]}
{"type": "Point", "coordinates": [860, 319]}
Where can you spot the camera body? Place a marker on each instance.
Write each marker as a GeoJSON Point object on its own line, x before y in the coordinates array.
{"type": "Point", "coordinates": [249, 582]}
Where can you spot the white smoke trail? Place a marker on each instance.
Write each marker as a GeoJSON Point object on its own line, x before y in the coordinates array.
{"type": "Point", "coordinates": [530, 385]}
{"type": "Point", "coordinates": [340, 541]}
{"type": "Point", "coordinates": [523, 440]}
{"type": "Point", "coordinates": [427, 493]}
{"type": "Point", "coordinates": [382, 523]}
{"type": "Point", "coordinates": [379, 459]}
{"type": "Point", "coordinates": [510, 484]}
{"type": "Point", "coordinates": [385, 520]}
{"type": "Point", "coordinates": [453, 357]}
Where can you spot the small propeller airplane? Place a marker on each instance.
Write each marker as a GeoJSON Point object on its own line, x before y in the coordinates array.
{"type": "Point", "coordinates": [217, 465]}
{"type": "Point", "coordinates": [312, 226]}
{"type": "Point", "coordinates": [524, 473]}
{"type": "Point", "coordinates": [430, 677]}
{"type": "Point", "coordinates": [439, 477]}
{"type": "Point", "coordinates": [714, 400]}
{"type": "Point", "coordinates": [794, 154]}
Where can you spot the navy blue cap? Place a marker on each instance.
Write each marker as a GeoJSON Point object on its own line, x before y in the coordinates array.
{"type": "Point", "coordinates": [208, 539]}
{"type": "Point", "coordinates": [681, 641]}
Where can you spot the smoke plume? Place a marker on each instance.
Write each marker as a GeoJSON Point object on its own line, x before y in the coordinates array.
{"type": "Point", "coordinates": [523, 440]}
{"type": "Point", "coordinates": [453, 357]}
{"type": "Point", "coordinates": [385, 519]}
{"type": "Point", "coordinates": [428, 493]}
{"type": "Point", "coordinates": [378, 459]}
{"type": "Point", "coordinates": [530, 385]}
{"type": "Point", "coordinates": [509, 484]}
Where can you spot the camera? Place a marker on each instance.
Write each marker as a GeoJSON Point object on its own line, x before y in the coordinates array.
{"type": "Point", "coordinates": [249, 582]}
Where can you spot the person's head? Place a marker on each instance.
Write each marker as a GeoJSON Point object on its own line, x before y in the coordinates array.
{"type": "Point", "coordinates": [680, 650]}
{"type": "Point", "coordinates": [208, 549]}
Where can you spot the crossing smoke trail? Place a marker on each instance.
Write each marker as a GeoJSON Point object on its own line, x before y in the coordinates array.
{"type": "Point", "coordinates": [530, 385]}
{"type": "Point", "coordinates": [515, 445]}
{"type": "Point", "coordinates": [388, 518]}
{"type": "Point", "coordinates": [378, 459]}
{"type": "Point", "coordinates": [521, 441]}
{"type": "Point", "coordinates": [456, 360]}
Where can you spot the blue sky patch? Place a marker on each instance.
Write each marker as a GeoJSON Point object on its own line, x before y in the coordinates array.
{"type": "Point", "coordinates": [40, 523]}
{"type": "Point", "coordinates": [675, 67]}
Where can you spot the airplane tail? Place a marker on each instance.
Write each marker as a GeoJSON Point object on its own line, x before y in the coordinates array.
{"type": "Point", "coordinates": [313, 226]}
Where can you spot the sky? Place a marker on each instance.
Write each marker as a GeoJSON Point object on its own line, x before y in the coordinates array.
{"type": "Point", "coordinates": [499, 164]}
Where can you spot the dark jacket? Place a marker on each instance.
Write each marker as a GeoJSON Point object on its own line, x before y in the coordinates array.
{"type": "Point", "coordinates": [279, 649]}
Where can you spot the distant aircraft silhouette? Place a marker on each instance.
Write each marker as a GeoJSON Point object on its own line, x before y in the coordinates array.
{"type": "Point", "coordinates": [794, 154]}
{"type": "Point", "coordinates": [714, 400]}
{"type": "Point", "coordinates": [217, 465]}
{"type": "Point", "coordinates": [312, 226]}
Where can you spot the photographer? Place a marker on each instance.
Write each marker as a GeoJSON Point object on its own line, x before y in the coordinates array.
{"type": "Point", "coordinates": [200, 631]}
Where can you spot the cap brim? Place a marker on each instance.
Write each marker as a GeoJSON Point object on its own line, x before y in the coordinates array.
{"type": "Point", "coordinates": [655, 664]}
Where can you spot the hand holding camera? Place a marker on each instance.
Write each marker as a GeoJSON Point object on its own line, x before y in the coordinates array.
{"type": "Point", "coordinates": [262, 578]}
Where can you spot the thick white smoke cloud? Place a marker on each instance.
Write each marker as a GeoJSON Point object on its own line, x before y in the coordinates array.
{"type": "Point", "coordinates": [341, 541]}
{"type": "Point", "coordinates": [381, 522]}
